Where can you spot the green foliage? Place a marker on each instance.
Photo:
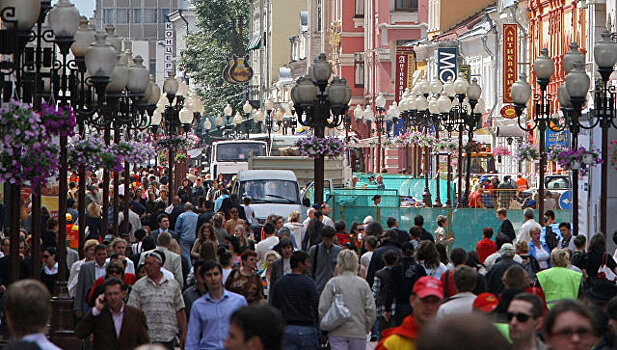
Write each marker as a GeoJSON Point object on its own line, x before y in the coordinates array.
{"type": "Point", "coordinates": [207, 50]}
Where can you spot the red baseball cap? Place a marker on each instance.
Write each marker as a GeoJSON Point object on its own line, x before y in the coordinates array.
{"type": "Point", "coordinates": [427, 286]}
{"type": "Point", "coordinates": [485, 302]}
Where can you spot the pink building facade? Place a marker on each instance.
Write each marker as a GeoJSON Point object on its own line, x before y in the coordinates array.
{"type": "Point", "coordinates": [364, 36]}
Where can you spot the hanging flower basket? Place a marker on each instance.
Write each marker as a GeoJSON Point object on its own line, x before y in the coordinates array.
{"type": "Point", "coordinates": [27, 155]}
{"type": "Point", "coordinates": [612, 155]}
{"type": "Point", "coordinates": [180, 157]}
{"type": "Point", "coordinates": [527, 152]}
{"type": "Point", "coordinates": [111, 160]}
{"type": "Point", "coordinates": [58, 120]}
{"type": "Point", "coordinates": [580, 159]}
{"type": "Point", "coordinates": [474, 147]}
{"type": "Point", "coordinates": [85, 152]}
{"type": "Point", "coordinates": [314, 147]}
{"type": "Point", "coordinates": [163, 158]}
{"type": "Point", "coordinates": [136, 152]}
{"type": "Point", "coordinates": [177, 143]}
{"type": "Point", "coordinates": [501, 151]}
{"type": "Point", "coordinates": [446, 146]}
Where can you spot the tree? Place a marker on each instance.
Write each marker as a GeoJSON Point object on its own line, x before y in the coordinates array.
{"type": "Point", "coordinates": [223, 30]}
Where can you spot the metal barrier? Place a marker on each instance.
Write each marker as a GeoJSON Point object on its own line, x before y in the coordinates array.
{"type": "Point", "coordinates": [465, 224]}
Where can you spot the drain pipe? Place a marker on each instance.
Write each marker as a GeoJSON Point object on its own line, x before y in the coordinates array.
{"type": "Point", "coordinates": [495, 56]}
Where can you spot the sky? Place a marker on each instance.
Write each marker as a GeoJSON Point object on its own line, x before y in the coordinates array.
{"type": "Point", "coordinates": [86, 7]}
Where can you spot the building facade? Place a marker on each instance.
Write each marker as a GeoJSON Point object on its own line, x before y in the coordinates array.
{"type": "Point", "coordinates": [138, 20]}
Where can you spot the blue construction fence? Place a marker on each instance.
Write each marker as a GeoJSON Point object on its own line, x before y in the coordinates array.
{"type": "Point", "coordinates": [465, 224]}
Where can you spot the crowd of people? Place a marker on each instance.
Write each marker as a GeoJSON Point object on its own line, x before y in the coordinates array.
{"type": "Point", "coordinates": [196, 270]}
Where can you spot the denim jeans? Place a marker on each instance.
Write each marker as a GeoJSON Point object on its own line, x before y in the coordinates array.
{"type": "Point", "coordinates": [186, 247]}
{"type": "Point", "coordinates": [300, 338]}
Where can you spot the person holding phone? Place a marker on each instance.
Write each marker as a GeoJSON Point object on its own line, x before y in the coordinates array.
{"type": "Point", "coordinates": [114, 324]}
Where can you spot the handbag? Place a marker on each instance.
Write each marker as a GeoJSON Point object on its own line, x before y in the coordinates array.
{"type": "Point", "coordinates": [604, 272]}
{"type": "Point", "coordinates": [337, 314]}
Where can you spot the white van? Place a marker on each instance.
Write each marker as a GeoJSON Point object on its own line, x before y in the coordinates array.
{"type": "Point", "coordinates": [230, 157]}
{"type": "Point", "coordinates": [271, 192]}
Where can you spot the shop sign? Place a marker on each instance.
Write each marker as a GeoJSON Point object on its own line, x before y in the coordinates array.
{"type": "Point", "coordinates": [169, 48]}
{"type": "Point", "coordinates": [447, 63]}
{"type": "Point", "coordinates": [405, 68]}
{"type": "Point", "coordinates": [508, 112]}
{"type": "Point", "coordinates": [510, 60]}
{"type": "Point", "coordinates": [556, 139]}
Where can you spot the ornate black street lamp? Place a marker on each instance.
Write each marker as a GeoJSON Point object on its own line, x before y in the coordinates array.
{"type": "Point", "coordinates": [247, 108]}
{"type": "Point", "coordinates": [571, 106]}
{"type": "Point", "coordinates": [320, 104]}
{"type": "Point", "coordinates": [544, 67]}
{"type": "Point", "coordinates": [605, 113]}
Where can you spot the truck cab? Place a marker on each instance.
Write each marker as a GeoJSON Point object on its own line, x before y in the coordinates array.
{"type": "Point", "coordinates": [270, 191]}
{"type": "Point", "coordinates": [231, 157]}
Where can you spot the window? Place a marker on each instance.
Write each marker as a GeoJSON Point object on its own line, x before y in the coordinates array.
{"type": "Point", "coordinates": [359, 8]}
{"type": "Point", "coordinates": [150, 16]}
{"type": "Point", "coordinates": [153, 67]}
{"type": "Point", "coordinates": [136, 15]}
{"type": "Point", "coordinates": [406, 5]}
{"type": "Point", "coordinates": [123, 16]}
{"type": "Point", "coordinates": [108, 15]}
{"type": "Point", "coordinates": [358, 69]}
{"type": "Point", "coordinates": [164, 14]}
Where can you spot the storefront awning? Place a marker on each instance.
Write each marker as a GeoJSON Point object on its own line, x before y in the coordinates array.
{"type": "Point", "coordinates": [255, 43]}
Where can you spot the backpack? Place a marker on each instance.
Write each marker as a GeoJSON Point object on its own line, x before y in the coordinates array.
{"type": "Point", "coordinates": [550, 238]}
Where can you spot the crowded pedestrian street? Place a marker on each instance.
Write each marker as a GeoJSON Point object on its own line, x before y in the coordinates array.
{"type": "Point", "coordinates": [308, 174]}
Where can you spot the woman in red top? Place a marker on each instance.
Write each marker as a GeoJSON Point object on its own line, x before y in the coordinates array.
{"type": "Point", "coordinates": [486, 246]}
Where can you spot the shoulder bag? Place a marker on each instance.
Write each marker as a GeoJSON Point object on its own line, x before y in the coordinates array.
{"type": "Point", "coordinates": [604, 272]}
{"type": "Point", "coordinates": [337, 314]}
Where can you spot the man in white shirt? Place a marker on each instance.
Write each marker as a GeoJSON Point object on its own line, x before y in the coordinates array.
{"type": "Point", "coordinates": [28, 311]}
{"type": "Point", "coordinates": [524, 231]}
{"type": "Point", "coordinates": [310, 213]}
{"type": "Point", "coordinates": [266, 244]}
{"type": "Point", "coordinates": [326, 210]}
{"type": "Point", "coordinates": [462, 302]}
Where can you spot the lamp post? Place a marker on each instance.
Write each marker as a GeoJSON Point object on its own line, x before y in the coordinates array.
{"type": "Point", "coordinates": [571, 106]}
{"type": "Point", "coordinates": [279, 118]}
{"type": "Point", "coordinates": [444, 105]}
{"type": "Point", "coordinates": [170, 88]}
{"type": "Point", "coordinates": [437, 91]}
{"type": "Point", "coordinates": [269, 106]}
{"type": "Point", "coordinates": [369, 117]}
{"type": "Point", "coordinates": [228, 112]}
{"type": "Point", "coordinates": [467, 111]}
{"type": "Point", "coordinates": [605, 54]}
{"type": "Point", "coordinates": [247, 108]}
{"type": "Point", "coordinates": [320, 104]}
{"type": "Point", "coordinates": [259, 118]}
{"type": "Point", "coordinates": [521, 92]}
{"type": "Point", "coordinates": [572, 97]}
{"type": "Point", "coordinates": [237, 121]}
{"type": "Point", "coordinates": [380, 104]}
{"type": "Point", "coordinates": [64, 21]}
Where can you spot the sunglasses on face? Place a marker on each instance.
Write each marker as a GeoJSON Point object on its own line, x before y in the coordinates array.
{"type": "Point", "coordinates": [569, 332]}
{"type": "Point", "coordinates": [115, 272]}
{"type": "Point", "coordinates": [46, 256]}
{"type": "Point", "coordinates": [520, 317]}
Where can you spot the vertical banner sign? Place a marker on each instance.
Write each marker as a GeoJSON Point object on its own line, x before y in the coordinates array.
{"type": "Point", "coordinates": [465, 72]}
{"type": "Point", "coordinates": [169, 48]}
{"type": "Point", "coordinates": [405, 67]}
{"type": "Point", "coordinates": [510, 60]}
{"type": "Point", "coordinates": [447, 63]}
